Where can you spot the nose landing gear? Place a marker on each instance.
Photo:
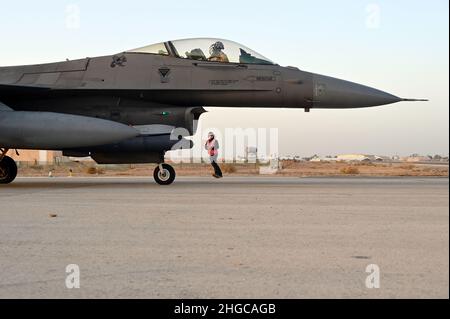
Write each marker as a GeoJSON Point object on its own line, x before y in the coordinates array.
{"type": "Point", "coordinates": [8, 168]}
{"type": "Point", "coordinates": [164, 174]}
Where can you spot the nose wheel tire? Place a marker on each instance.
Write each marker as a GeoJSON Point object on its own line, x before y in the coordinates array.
{"type": "Point", "coordinates": [164, 174]}
{"type": "Point", "coordinates": [8, 170]}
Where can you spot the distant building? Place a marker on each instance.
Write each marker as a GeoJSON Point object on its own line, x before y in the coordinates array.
{"type": "Point", "coordinates": [317, 158]}
{"type": "Point", "coordinates": [251, 154]}
{"type": "Point", "coordinates": [355, 158]}
{"type": "Point", "coordinates": [363, 158]}
{"type": "Point", "coordinates": [416, 158]}
{"type": "Point", "coordinates": [381, 158]}
{"type": "Point", "coordinates": [38, 157]}
{"type": "Point", "coordinates": [286, 158]}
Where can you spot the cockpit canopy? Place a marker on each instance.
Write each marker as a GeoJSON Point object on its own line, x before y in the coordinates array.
{"type": "Point", "coordinates": [205, 49]}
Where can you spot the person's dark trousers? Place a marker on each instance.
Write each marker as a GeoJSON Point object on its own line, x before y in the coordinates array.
{"type": "Point", "coordinates": [217, 169]}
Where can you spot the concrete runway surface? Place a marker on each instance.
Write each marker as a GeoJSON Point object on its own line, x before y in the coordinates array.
{"type": "Point", "coordinates": [240, 237]}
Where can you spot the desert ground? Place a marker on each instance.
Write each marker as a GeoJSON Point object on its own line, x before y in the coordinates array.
{"type": "Point", "coordinates": [289, 168]}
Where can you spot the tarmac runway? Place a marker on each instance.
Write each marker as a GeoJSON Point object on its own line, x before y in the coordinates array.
{"type": "Point", "coordinates": [240, 237]}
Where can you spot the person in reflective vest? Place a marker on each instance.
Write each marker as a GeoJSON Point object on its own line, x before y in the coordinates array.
{"type": "Point", "coordinates": [212, 146]}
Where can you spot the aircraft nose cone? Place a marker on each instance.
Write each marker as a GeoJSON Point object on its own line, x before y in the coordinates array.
{"type": "Point", "coordinates": [335, 93]}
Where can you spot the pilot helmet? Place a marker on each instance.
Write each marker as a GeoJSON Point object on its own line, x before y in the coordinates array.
{"type": "Point", "coordinates": [218, 46]}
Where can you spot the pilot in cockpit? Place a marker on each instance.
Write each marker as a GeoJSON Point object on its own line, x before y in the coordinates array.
{"type": "Point", "coordinates": [217, 55]}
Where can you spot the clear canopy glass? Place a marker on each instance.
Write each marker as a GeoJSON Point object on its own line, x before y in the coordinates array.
{"type": "Point", "coordinates": [206, 49]}
{"type": "Point", "coordinates": [159, 48]}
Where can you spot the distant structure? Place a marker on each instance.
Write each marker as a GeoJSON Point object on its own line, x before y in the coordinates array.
{"type": "Point", "coordinates": [251, 154]}
{"type": "Point", "coordinates": [38, 157]}
{"type": "Point", "coordinates": [351, 158]}
{"type": "Point", "coordinates": [317, 158]}
{"type": "Point", "coordinates": [355, 158]}
{"type": "Point", "coordinates": [415, 158]}
{"type": "Point", "coordinates": [363, 158]}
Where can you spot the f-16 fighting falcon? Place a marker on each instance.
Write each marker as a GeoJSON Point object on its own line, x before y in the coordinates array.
{"type": "Point", "coordinates": [125, 108]}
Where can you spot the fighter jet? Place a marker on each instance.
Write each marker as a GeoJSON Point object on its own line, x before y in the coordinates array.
{"type": "Point", "coordinates": [125, 108]}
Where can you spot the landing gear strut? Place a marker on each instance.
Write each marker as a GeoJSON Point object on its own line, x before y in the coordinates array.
{"type": "Point", "coordinates": [164, 174]}
{"type": "Point", "coordinates": [8, 168]}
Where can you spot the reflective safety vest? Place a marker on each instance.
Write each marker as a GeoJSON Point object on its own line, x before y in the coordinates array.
{"type": "Point", "coordinates": [212, 147]}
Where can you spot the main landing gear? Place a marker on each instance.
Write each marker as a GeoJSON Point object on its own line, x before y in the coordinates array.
{"type": "Point", "coordinates": [164, 174]}
{"type": "Point", "coordinates": [8, 168]}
